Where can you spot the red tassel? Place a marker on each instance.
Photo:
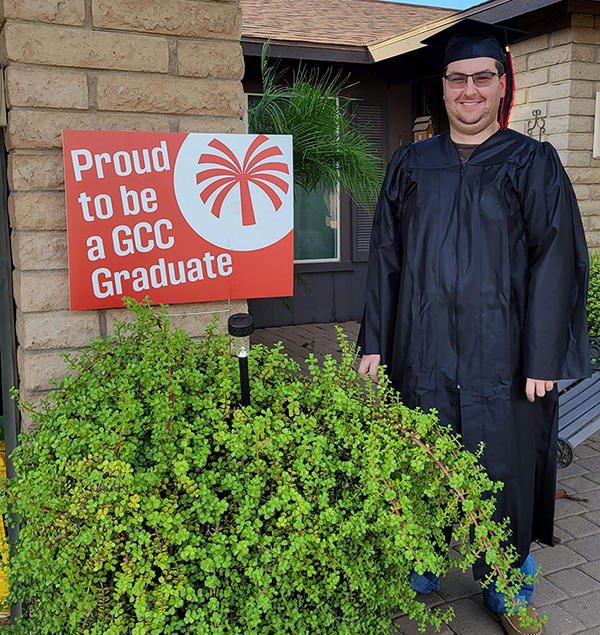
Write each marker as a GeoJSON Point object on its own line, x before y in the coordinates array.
{"type": "Point", "coordinates": [509, 96]}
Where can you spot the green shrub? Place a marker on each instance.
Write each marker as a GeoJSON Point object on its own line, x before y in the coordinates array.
{"type": "Point", "coordinates": [151, 503]}
{"type": "Point", "coordinates": [593, 303]}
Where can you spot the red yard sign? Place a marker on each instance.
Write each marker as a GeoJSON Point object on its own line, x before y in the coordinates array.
{"type": "Point", "coordinates": [177, 217]}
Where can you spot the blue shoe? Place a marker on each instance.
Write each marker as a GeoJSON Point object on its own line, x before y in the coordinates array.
{"type": "Point", "coordinates": [426, 583]}
{"type": "Point", "coordinates": [496, 601]}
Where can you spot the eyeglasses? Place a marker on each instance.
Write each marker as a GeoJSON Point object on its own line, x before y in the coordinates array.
{"type": "Point", "coordinates": [481, 80]}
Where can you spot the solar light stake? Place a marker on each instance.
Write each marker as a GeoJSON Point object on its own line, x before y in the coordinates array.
{"type": "Point", "coordinates": [240, 327]}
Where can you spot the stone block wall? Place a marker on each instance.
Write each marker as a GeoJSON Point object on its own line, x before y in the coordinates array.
{"type": "Point", "coordinates": [557, 71]}
{"type": "Point", "coordinates": [141, 65]}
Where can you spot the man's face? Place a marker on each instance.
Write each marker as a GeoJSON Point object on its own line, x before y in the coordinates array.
{"type": "Point", "coordinates": [470, 108]}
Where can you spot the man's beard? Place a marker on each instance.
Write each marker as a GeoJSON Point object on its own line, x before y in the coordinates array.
{"type": "Point", "coordinates": [462, 121]}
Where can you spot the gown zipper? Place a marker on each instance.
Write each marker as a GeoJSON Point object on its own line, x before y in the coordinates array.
{"type": "Point", "coordinates": [456, 324]}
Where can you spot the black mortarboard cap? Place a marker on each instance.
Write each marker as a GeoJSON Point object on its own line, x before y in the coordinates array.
{"type": "Point", "coordinates": [469, 39]}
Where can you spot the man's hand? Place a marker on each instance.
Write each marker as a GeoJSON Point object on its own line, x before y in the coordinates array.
{"type": "Point", "coordinates": [538, 387]}
{"type": "Point", "coordinates": [369, 364]}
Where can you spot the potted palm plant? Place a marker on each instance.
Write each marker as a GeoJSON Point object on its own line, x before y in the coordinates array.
{"type": "Point", "coordinates": [329, 151]}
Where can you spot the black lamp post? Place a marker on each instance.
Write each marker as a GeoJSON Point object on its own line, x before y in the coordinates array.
{"type": "Point", "coordinates": [240, 327]}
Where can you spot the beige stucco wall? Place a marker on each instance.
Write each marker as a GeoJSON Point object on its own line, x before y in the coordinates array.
{"type": "Point", "coordinates": [558, 72]}
{"type": "Point", "coordinates": [142, 65]}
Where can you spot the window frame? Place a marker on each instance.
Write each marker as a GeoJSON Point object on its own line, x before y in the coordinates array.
{"type": "Point", "coordinates": [336, 194]}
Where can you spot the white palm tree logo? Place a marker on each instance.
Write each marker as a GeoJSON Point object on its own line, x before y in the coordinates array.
{"type": "Point", "coordinates": [224, 171]}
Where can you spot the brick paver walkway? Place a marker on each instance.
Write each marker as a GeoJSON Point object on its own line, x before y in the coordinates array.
{"type": "Point", "coordinates": [569, 589]}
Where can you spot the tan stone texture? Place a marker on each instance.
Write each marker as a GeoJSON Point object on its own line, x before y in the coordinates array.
{"type": "Point", "coordinates": [523, 112]}
{"type": "Point", "coordinates": [575, 70]}
{"type": "Point", "coordinates": [41, 290]}
{"type": "Point", "coordinates": [70, 46]}
{"type": "Point", "coordinates": [571, 105]}
{"type": "Point", "coordinates": [595, 194]}
{"type": "Point", "coordinates": [582, 141]}
{"type": "Point", "coordinates": [57, 329]}
{"type": "Point", "coordinates": [56, 11]}
{"type": "Point", "coordinates": [36, 370]}
{"type": "Point", "coordinates": [558, 107]}
{"type": "Point", "coordinates": [37, 130]}
{"type": "Point", "coordinates": [576, 158]}
{"type": "Point", "coordinates": [37, 210]}
{"type": "Point", "coordinates": [560, 141]}
{"type": "Point", "coordinates": [561, 54]}
{"type": "Point", "coordinates": [520, 64]}
{"type": "Point", "coordinates": [520, 97]}
{"type": "Point", "coordinates": [589, 208]}
{"type": "Point", "coordinates": [583, 53]}
{"type": "Point", "coordinates": [538, 43]}
{"type": "Point", "coordinates": [141, 93]}
{"type": "Point", "coordinates": [188, 18]}
{"type": "Point", "coordinates": [35, 399]}
{"type": "Point", "coordinates": [39, 250]}
{"type": "Point", "coordinates": [557, 125]}
{"type": "Point", "coordinates": [193, 318]}
{"type": "Point", "coordinates": [549, 91]}
{"type": "Point", "coordinates": [518, 126]}
{"type": "Point", "coordinates": [584, 175]}
{"type": "Point", "coordinates": [559, 90]}
{"type": "Point", "coordinates": [195, 325]}
{"type": "Point", "coordinates": [593, 239]}
{"type": "Point", "coordinates": [216, 60]}
{"type": "Point", "coordinates": [35, 171]}
{"type": "Point", "coordinates": [569, 123]}
{"type": "Point", "coordinates": [562, 36]}
{"type": "Point", "coordinates": [222, 125]}
{"type": "Point", "coordinates": [533, 78]}
{"type": "Point", "coordinates": [582, 20]}
{"type": "Point", "coordinates": [581, 88]}
{"type": "Point", "coordinates": [52, 57]}
{"type": "Point", "coordinates": [585, 36]}
{"type": "Point", "coordinates": [579, 123]}
{"type": "Point", "coordinates": [582, 191]}
{"type": "Point", "coordinates": [45, 88]}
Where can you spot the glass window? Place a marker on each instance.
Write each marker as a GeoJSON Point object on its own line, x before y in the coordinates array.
{"type": "Point", "coordinates": [315, 225]}
{"type": "Point", "coordinates": [316, 221]}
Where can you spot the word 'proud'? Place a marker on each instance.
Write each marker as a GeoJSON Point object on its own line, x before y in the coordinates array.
{"type": "Point", "coordinates": [123, 163]}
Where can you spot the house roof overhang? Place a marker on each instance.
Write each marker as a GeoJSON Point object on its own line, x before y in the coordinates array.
{"type": "Point", "coordinates": [252, 47]}
{"type": "Point", "coordinates": [491, 12]}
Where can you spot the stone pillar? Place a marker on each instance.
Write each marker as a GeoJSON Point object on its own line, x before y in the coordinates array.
{"type": "Point", "coordinates": [557, 71]}
{"type": "Point", "coordinates": [141, 65]}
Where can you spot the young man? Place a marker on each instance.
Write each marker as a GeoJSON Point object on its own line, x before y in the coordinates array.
{"type": "Point", "coordinates": [476, 291]}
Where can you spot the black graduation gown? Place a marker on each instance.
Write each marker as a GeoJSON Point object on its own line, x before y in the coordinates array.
{"type": "Point", "coordinates": [478, 279]}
